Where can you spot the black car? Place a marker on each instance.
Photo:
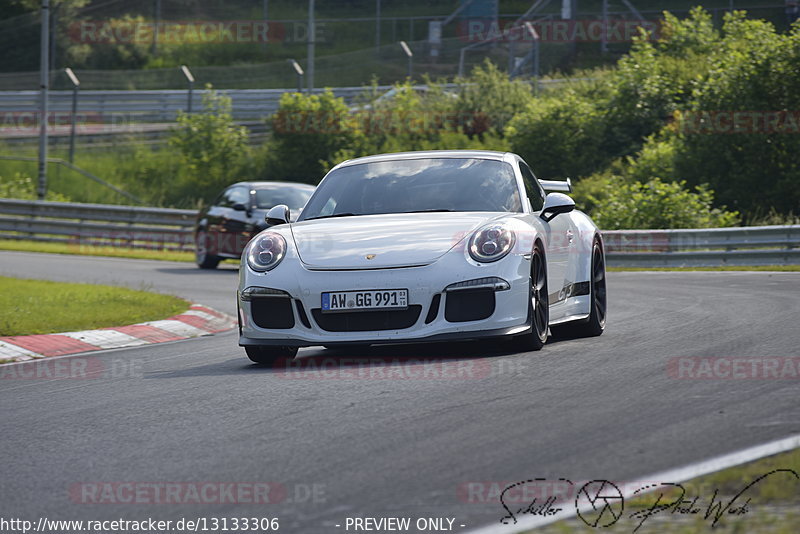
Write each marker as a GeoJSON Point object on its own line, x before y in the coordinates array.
{"type": "Point", "coordinates": [237, 214]}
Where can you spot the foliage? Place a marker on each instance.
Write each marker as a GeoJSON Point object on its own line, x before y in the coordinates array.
{"type": "Point", "coordinates": [560, 135]}
{"type": "Point", "coordinates": [126, 54]}
{"type": "Point", "coordinates": [753, 70]}
{"type": "Point", "coordinates": [489, 99]}
{"type": "Point", "coordinates": [24, 187]}
{"type": "Point", "coordinates": [211, 147]}
{"type": "Point", "coordinates": [655, 115]}
{"type": "Point", "coordinates": [306, 131]}
{"type": "Point", "coordinates": [654, 204]}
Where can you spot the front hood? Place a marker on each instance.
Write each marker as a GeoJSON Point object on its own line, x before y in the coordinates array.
{"type": "Point", "coordinates": [393, 240]}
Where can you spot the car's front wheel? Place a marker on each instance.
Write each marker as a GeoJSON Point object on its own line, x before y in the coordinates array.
{"type": "Point", "coordinates": [269, 355]}
{"type": "Point", "coordinates": [202, 258]}
{"type": "Point", "coordinates": [539, 307]}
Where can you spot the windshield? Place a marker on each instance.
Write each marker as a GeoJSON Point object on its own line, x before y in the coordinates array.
{"type": "Point", "coordinates": [294, 197]}
{"type": "Point", "coordinates": [415, 185]}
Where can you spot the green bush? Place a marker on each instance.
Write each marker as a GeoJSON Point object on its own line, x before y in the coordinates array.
{"type": "Point", "coordinates": [23, 187]}
{"type": "Point", "coordinates": [560, 135]}
{"type": "Point", "coordinates": [307, 131]}
{"type": "Point", "coordinates": [753, 69]}
{"type": "Point", "coordinates": [488, 99]}
{"type": "Point", "coordinates": [641, 121]}
{"type": "Point", "coordinates": [211, 148]}
{"type": "Point", "coordinates": [618, 204]}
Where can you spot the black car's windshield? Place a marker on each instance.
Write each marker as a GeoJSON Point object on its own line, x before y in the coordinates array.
{"type": "Point", "coordinates": [416, 185]}
{"type": "Point", "coordinates": [294, 197]}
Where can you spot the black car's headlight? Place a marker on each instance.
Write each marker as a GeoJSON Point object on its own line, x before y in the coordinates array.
{"type": "Point", "coordinates": [266, 251]}
{"type": "Point", "coordinates": [491, 243]}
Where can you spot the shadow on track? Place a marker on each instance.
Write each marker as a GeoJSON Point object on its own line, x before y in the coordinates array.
{"type": "Point", "coordinates": [359, 362]}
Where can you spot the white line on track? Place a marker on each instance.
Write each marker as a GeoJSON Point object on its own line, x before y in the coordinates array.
{"type": "Point", "coordinates": [680, 474]}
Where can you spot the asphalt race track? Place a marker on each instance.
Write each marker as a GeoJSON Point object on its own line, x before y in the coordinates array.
{"type": "Point", "coordinates": [199, 411]}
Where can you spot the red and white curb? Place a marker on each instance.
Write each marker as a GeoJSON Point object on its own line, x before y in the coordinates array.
{"type": "Point", "coordinates": [196, 321]}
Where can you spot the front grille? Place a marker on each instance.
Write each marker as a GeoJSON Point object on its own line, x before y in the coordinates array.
{"type": "Point", "coordinates": [272, 312]}
{"type": "Point", "coordinates": [367, 321]}
{"type": "Point", "coordinates": [433, 312]}
{"type": "Point", "coordinates": [301, 312]}
{"type": "Point", "coordinates": [468, 305]}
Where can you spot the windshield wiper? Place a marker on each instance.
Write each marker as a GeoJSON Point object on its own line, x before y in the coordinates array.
{"type": "Point", "coordinates": [332, 216]}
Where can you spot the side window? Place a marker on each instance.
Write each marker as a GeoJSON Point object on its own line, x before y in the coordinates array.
{"type": "Point", "coordinates": [234, 195]}
{"type": "Point", "coordinates": [532, 184]}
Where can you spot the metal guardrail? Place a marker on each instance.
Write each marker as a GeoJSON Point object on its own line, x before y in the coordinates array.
{"type": "Point", "coordinates": [171, 229]}
{"type": "Point", "coordinates": [124, 107]}
{"type": "Point", "coordinates": [708, 247]}
{"type": "Point", "coordinates": [97, 224]}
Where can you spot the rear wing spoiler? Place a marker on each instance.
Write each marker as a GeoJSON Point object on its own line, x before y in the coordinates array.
{"type": "Point", "coordinates": [560, 186]}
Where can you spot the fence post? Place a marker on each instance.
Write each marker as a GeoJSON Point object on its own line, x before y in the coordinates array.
{"type": "Point", "coordinates": [190, 79]}
{"type": "Point", "coordinates": [75, 85]}
{"type": "Point", "coordinates": [410, 56]}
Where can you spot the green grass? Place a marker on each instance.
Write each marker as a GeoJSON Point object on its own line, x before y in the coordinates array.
{"type": "Point", "coordinates": [783, 268]}
{"type": "Point", "coordinates": [772, 510]}
{"type": "Point", "coordinates": [41, 307]}
{"type": "Point", "coordinates": [133, 167]}
{"type": "Point", "coordinates": [91, 250]}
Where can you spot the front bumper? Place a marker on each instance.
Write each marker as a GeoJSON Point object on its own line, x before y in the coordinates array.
{"type": "Point", "coordinates": [301, 293]}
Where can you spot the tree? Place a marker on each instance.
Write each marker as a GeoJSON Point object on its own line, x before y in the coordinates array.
{"type": "Point", "coordinates": [211, 147]}
{"type": "Point", "coordinates": [307, 131]}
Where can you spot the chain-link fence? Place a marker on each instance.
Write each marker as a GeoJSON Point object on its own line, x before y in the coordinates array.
{"type": "Point", "coordinates": [346, 50]}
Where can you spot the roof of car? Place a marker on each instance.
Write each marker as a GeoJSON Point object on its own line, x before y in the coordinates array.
{"type": "Point", "coordinates": [259, 185]}
{"type": "Point", "coordinates": [423, 154]}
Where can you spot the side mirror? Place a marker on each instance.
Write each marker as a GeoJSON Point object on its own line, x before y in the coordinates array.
{"type": "Point", "coordinates": [239, 207]}
{"type": "Point", "coordinates": [556, 203]}
{"type": "Point", "coordinates": [277, 215]}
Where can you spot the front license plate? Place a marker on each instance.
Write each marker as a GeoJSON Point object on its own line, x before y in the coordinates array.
{"type": "Point", "coordinates": [376, 299]}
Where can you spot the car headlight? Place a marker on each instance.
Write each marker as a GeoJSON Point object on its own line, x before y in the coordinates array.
{"type": "Point", "coordinates": [266, 251]}
{"type": "Point", "coordinates": [491, 243]}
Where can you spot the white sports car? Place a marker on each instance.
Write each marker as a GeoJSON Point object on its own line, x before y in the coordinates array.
{"type": "Point", "coordinates": [423, 247]}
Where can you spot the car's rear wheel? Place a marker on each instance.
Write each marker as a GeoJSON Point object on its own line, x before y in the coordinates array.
{"type": "Point", "coordinates": [269, 355]}
{"type": "Point", "coordinates": [202, 258]}
{"type": "Point", "coordinates": [596, 322]}
{"type": "Point", "coordinates": [538, 306]}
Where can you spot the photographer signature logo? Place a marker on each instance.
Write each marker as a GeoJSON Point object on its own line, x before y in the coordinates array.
{"type": "Point", "coordinates": [601, 503]}
{"type": "Point", "coordinates": [606, 500]}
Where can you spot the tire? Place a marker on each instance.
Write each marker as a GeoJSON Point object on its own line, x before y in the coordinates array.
{"type": "Point", "coordinates": [268, 355]}
{"type": "Point", "coordinates": [538, 306]}
{"type": "Point", "coordinates": [202, 258]}
{"type": "Point", "coordinates": [596, 323]}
